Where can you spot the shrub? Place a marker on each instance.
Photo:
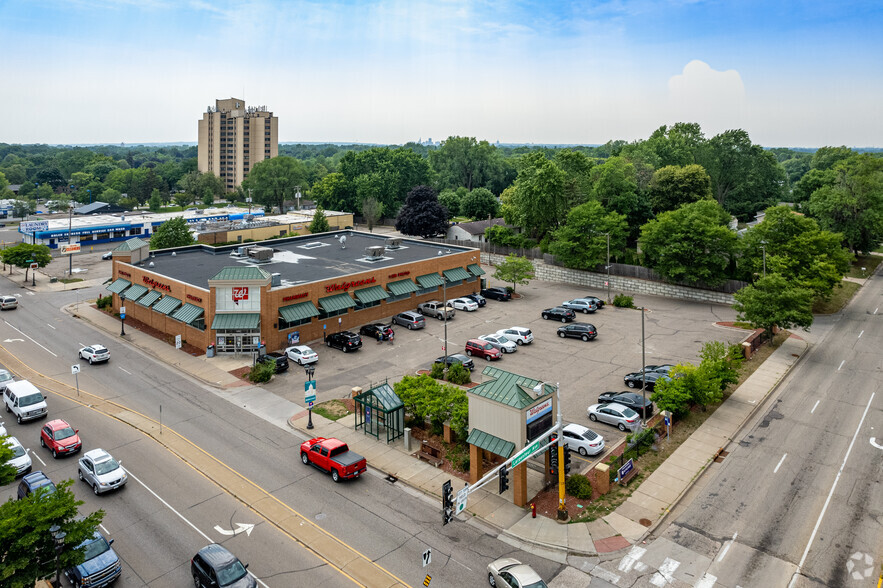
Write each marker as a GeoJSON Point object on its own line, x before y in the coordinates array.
{"type": "Point", "coordinates": [104, 302]}
{"type": "Point", "coordinates": [457, 374]}
{"type": "Point", "coordinates": [437, 371]}
{"type": "Point", "coordinates": [578, 486]}
{"type": "Point", "coordinates": [641, 441]}
{"type": "Point", "coordinates": [623, 301]}
{"type": "Point", "coordinates": [262, 372]}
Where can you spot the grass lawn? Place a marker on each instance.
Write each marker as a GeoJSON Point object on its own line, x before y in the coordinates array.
{"type": "Point", "coordinates": [70, 280]}
{"type": "Point", "coordinates": [331, 409]}
{"type": "Point", "coordinates": [868, 262]}
{"type": "Point", "coordinates": [842, 294]}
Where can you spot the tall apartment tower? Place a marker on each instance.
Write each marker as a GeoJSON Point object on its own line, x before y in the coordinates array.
{"type": "Point", "coordinates": [232, 138]}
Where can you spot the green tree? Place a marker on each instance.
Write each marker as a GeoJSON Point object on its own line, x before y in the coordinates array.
{"type": "Point", "coordinates": [692, 244]}
{"type": "Point", "coordinates": [462, 162]}
{"type": "Point", "coordinates": [27, 549]}
{"type": "Point", "coordinates": [701, 384]}
{"type": "Point", "coordinates": [672, 394]}
{"type": "Point", "coordinates": [538, 201]}
{"type": "Point", "coordinates": [582, 242]}
{"type": "Point", "coordinates": [23, 207]}
{"type": "Point", "coordinates": [172, 233]}
{"type": "Point", "coordinates": [333, 193]}
{"type": "Point", "coordinates": [480, 203]}
{"type": "Point", "coordinates": [61, 203]}
{"type": "Point", "coordinates": [5, 192]}
{"type": "Point", "coordinates": [514, 270]}
{"type": "Point", "coordinates": [450, 199]}
{"type": "Point", "coordinates": [155, 202]}
{"type": "Point", "coordinates": [371, 210]}
{"type": "Point", "coordinates": [810, 182]}
{"type": "Point", "coordinates": [7, 471]}
{"type": "Point", "coordinates": [721, 361]}
{"type": "Point", "coordinates": [24, 254]}
{"type": "Point", "coordinates": [110, 196]}
{"type": "Point", "coordinates": [272, 181]}
{"type": "Point", "coordinates": [183, 199]}
{"type": "Point", "coordinates": [673, 186]}
{"type": "Point", "coordinates": [385, 174]}
{"type": "Point", "coordinates": [422, 215]}
{"type": "Point", "coordinates": [826, 157]}
{"type": "Point", "coordinates": [320, 222]}
{"type": "Point", "coordinates": [577, 168]}
{"type": "Point", "coordinates": [774, 301]}
{"type": "Point", "coordinates": [616, 188]}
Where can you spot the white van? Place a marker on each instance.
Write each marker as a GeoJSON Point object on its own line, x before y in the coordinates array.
{"type": "Point", "coordinates": [25, 401]}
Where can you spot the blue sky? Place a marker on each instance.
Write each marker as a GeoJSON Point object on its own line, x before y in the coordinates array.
{"type": "Point", "coordinates": [791, 73]}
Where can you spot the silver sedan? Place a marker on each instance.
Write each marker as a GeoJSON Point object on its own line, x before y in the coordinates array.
{"type": "Point", "coordinates": [501, 342]}
{"type": "Point", "coordinates": [615, 414]}
{"type": "Point", "coordinates": [506, 572]}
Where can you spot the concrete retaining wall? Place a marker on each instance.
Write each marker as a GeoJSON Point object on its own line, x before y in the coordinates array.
{"type": "Point", "coordinates": [618, 284]}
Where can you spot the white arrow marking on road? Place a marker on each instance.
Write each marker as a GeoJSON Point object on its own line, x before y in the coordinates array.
{"type": "Point", "coordinates": [11, 340]}
{"type": "Point", "coordinates": [874, 443]}
{"type": "Point", "coordinates": [32, 340]}
{"type": "Point", "coordinates": [240, 527]}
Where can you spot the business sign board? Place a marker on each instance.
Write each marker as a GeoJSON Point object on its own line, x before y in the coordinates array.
{"type": "Point", "coordinates": [33, 226]}
{"type": "Point", "coordinates": [68, 248]}
{"type": "Point", "coordinates": [624, 470]}
{"type": "Point", "coordinates": [535, 412]}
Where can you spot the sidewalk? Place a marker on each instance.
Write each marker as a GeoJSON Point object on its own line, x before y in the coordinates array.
{"type": "Point", "coordinates": [628, 524]}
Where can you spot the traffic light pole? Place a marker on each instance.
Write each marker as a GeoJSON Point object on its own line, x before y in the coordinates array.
{"type": "Point", "coordinates": [562, 505]}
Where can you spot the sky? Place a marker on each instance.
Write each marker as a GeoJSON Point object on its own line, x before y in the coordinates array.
{"type": "Point", "coordinates": [792, 73]}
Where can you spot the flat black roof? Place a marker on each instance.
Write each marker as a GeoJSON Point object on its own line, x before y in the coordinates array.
{"type": "Point", "coordinates": [298, 260]}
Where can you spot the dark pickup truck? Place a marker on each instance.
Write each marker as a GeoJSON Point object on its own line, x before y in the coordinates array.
{"type": "Point", "coordinates": [333, 455]}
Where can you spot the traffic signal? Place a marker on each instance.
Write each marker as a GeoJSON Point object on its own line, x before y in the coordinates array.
{"type": "Point", "coordinates": [447, 503]}
{"type": "Point", "coordinates": [553, 460]}
{"type": "Point", "coordinates": [566, 459]}
{"type": "Point", "coordinates": [504, 479]}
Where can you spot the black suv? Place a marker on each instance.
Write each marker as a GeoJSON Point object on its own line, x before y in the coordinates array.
{"type": "Point", "coordinates": [476, 298]}
{"type": "Point", "coordinates": [559, 313]}
{"type": "Point", "coordinates": [583, 331]}
{"type": "Point", "coordinates": [33, 482]}
{"type": "Point", "coordinates": [457, 358]}
{"type": "Point", "coordinates": [345, 341]}
{"type": "Point", "coordinates": [215, 566]}
{"type": "Point", "coordinates": [497, 293]}
{"type": "Point", "coordinates": [280, 359]}
{"type": "Point", "coordinates": [377, 331]}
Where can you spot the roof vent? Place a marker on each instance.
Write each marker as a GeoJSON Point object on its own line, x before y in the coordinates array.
{"type": "Point", "coordinates": [374, 252]}
{"type": "Point", "coordinates": [258, 253]}
{"type": "Point", "coordinates": [275, 280]}
{"type": "Point", "coordinates": [150, 264]}
{"type": "Point", "coordinates": [394, 243]}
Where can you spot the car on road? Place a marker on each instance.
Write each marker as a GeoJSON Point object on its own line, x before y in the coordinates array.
{"type": "Point", "coordinates": [279, 360]}
{"type": "Point", "coordinates": [101, 471]}
{"type": "Point", "coordinates": [457, 358]}
{"type": "Point", "coordinates": [60, 438]}
{"type": "Point", "coordinates": [333, 455]}
{"type": "Point", "coordinates": [484, 349]}
{"type": "Point", "coordinates": [377, 331]}
{"type": "Point", "coordinates": [520, 335]}
{"type": "Point", "coordinates": [630, 399]}
{"type": "Point", "coordinates": [25, 401]}
{"type": "Point", "coordinates": [436, 309]}
{"type": "Point", "coordinates": [464, 304]}
{"type": "Point", "coordinates": [20, 459]}
{"type": "Point", "coordinates": [636, 379]}
{"type": "Point", "coordinates": [108, 255]}
{"type": "Point", "coordinates": [33, 482]}
{"type": "Point", "coordinates": [558, 313]}
{"type": "Point", "coordinates": [301, 354]}
{"type": "Point", "coordinates": [507, 572]}
{"type": "Point", "coordinates": [501, 342]}
{"type": "Point", "coordinates": [615, 414]}
{"type": "Point", "coordinates": [214, 566]}
{"type": "Point", "coordinates": [410, 320]}
{"type": "Point", "coordinates": [580, 305]}
{"type": "Point", "coordinates": [101, 565]}
{"type": "Point", "coordinates": [477, 298]}
{"type": "Point", "coordinates": [583, 440]}
{"type": "Point", "coordinates": [5, 378]}
{"type": "Point", "coordinates": [497, 293]}
{"type": "Point", "coordinates": [8, 302]}
{"type": "Point", "coordinates": [346, 341]}
{"type": "Point", "coordinates": [94, 353]}
{"type": "Point", "coordinates": [584, 331]}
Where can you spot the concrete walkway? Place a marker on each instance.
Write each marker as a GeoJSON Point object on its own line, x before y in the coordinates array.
{"type": "Point", "coordinates": [628, 524]}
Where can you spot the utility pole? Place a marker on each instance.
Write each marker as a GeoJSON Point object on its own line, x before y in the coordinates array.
{"type": "Point", "coordinates": [70, 255]}
{"type": "Point", "coordinates": [608, 267]}
{"type": "Point", "coordinates": [643, 369]}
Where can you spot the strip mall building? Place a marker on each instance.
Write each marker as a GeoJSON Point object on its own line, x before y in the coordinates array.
{"type": "Point", "coordinates": [285, 291]}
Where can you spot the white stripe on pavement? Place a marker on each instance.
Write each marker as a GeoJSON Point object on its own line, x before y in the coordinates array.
{"type": "Point", "coordinates": [815, 406]}
{"type": "Point", "coordinates": [34, 342]}
{"type": "Point", "coordinates": [780, 463]}
{"type": "Point", "coordinates": [727, 548]}
{"type": "Point", "coordinates": [707, 581]}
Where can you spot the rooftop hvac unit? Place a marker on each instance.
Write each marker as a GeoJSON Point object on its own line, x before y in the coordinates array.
{"type": "Point", "coordinates": [275, 280]}
{"type": "Point", "coordinates": [201, 226]}
{"type": "Point", "coordinates": [249, 218]}
{"type": "Point", "coordinates": [260, 253]}
{"type": "Point", "coordinates": [374, 252]}
{"type": "Point", "coordinates": [394, 243]}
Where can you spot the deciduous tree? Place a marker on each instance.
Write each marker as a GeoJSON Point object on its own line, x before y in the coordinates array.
{"type": "Point", "coordinates": [422, 215]}
{"type": "Point", "coordinates": [172, 233]}
{"type": "Point", "coordinates": [774, 301]}
{"type": "Point", "coordinates": [538, 202]}
{"type": "Point", "coordinates": [371, 211]}
{"type": "Point", "coordinates": [272, 181]}
{"type": "Point", "coordinates": [24, 254]}
{"type": "Point", "coordinates": [582, 242]}
{"type": "Point", "coordinates": [515, 270]}
{"type": "Point", "coordinates": [673, 186]}
{"type": "Point", "coordinates": [480, 203]}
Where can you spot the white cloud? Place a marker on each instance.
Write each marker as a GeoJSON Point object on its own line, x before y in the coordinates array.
{"type": "Point", "coordinates": [714, 99]}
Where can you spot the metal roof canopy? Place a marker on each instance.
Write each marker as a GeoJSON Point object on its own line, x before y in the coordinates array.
{"type": "Point", "coordinates": [149, 298]}
{"type": "Point", "coordinates": [457, 273]}
{"type": "Point", "coordinates": [167, 305]}
{"type": "Point", "coordinates": [237, 320]}
{"type": "Point", "coordinates": [380, 407]}
{"type": "Point", "coordinates": [371, 294]}
{"type": "Point", "coordinates": [402, 287]}
{"type": "Point", "coordinates": [241, 273]}
{"type": "Point", "coordinates": [430, 281]}
{"type": "Point", "coordinates": [134, 292]}
{"type": "Point", "coordinates": [336, 302]}
{"type": "Point", "coordinates": [508, 388]}
{"type": "Point", "coordinates": [475, 269]}
{"type": "Point", "coordinates": [188, 313]}
{"type": "Point", "coordinates": [119, 285]}
{"type": "Point", "coordinates": [299, 311]}
{"type": "Point", "coordinates": [490, 443]}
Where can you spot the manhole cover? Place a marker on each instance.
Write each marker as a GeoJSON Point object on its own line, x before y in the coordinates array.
{"type": "Point", "coordinates": [646, 522]}
{"type": "Point", "coordinates": [321, 516]}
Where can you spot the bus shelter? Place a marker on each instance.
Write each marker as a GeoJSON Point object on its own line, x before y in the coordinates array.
{"type": "Point", "coordinates": [380, 410]}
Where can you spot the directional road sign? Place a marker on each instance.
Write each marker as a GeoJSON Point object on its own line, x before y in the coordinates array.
{"type": "Point", "coordinates": [526, 452]}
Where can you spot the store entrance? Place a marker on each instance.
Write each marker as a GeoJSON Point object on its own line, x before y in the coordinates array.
{"type": "Point", "coordinates": [237, 342]}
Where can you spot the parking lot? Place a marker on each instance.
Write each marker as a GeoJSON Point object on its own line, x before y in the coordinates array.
{"type": "Point", "coordinates": [675, 332]}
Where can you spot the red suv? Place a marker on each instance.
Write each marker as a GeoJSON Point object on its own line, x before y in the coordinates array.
{"type": "Point", "coordinates": [60, 438]}
{"type": "Point", "coordinates": [483, 349]}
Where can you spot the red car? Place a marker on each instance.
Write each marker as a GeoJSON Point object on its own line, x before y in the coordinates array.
{"type": "Point", "coordinates": [60, 438]}
{"type": "Point", "coordinates": [483, 349]}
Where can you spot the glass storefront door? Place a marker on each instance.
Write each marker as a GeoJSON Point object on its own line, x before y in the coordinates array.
{"type": "Point", "coordinates": [237, 342]}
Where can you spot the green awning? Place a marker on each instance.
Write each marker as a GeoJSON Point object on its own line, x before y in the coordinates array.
{"type": "Point", "coordinates": [371, 294]}
{"type": "Point", "coordinates": [188, 313]}
{"type": "Point", "coordinates": [167, 305]}
{"type": "Point", "coordinates": [119, 285]}
{"type": "Point", "coordinates": [430, 281]}
{"type": "Point", "coordinates": [475, 269]}
{"type": "Point", "coordinates": [336, 302]}
{"type": "Point", "coordinates": [458, 273]}
{"type": "Point", "coordinates": [149, 298]}
{"type": "Point", "coordinates": [402, 287]}
{"type": "Point", "coordinates": [135, 292]}
{"type": "Point", "coordinates": [298, 312]}
{"type": "Point", "coordinates": [237, 320]}
{"type": "Point", "coordinates": [490, 443]}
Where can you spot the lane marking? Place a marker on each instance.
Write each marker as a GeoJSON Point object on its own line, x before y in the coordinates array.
{"type": "Point", "coordinates": [50, 326]}
{"type": "Point", "coordinates": [608, 576]}
{"type": "Point", "coordinates": [103, 528]}
{"type": "Point", "coordinates": [874, 443]}
{"type": "Point", "coordinates": [814, 407]}
{"type": "Point", "coordinates": [841, 365]}
{"type": "Point", "coordinates": [34, 454]}
{"type": "Point", "coordinates": [876, 309]}
{"type": "Point", "coordinates": [169, 506]}
{"type": "Point", "coordinates": [780, 463]}
{"type": "Point", "coordinates": [663, 575]}
{"type": "Point", "coordinates": [125, 370]}
{"type": "Point", "coordinates": [726, 548]}
{"type": "Point", "coordinates": [28, 336]}
{"type": "Point", "coordinates": [707, 581]}
{"type": "Point", "coordinates": [830, 494]}
{"type": "Point", "coordinates": [631, 558]}
{"type": "Point", "coordinates": [860, 334]}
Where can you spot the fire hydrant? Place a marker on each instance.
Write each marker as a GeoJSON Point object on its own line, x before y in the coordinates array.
{"type": "Point", "coordinates": [533, 510]}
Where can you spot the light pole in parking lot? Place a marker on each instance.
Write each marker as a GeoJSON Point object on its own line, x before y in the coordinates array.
{"type": "Point", "coordinates": [643, 371]}
{"type": "Point", "coordinates": [58, 538]}
{"type": "Point", "coordinates": [445, 313]}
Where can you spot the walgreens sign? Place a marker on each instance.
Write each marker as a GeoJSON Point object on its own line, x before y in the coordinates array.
{"type": "Point", "coordinates": [240, 293]}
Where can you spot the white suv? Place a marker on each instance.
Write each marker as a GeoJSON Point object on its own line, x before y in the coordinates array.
{"type": "Point", "coordinates": [25, 401]}
{"type": "Point", "coordinates": [520, 335]}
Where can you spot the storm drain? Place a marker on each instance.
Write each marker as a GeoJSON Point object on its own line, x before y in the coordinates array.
{"type": "Point", "coordinates": [721, 455]}
{"type": "Point", "coordinates": [392, 479]}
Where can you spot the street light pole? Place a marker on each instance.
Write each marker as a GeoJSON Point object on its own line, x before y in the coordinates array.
{"type": "Point", "coordinates": [58, 538]}
{"type": "Point", "coordinates": [122, 315]}
{"type": "Point", "coordinates": [643, 370]}
{"type": "Point", "coordinates": [608, 267]}
{"type": "Point", "coordinates": [445, 313]}
{"type": "Point", "coordinates": [310, 370]}
{"type": "Point", "coordinates": [70, 254]}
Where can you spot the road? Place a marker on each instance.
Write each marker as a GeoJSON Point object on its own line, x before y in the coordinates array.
{"type": "Point", "coordinates": [387, 523]}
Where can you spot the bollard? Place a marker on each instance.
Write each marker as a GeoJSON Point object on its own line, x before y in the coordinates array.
{"type": "Point", "coordinates": [533, 510]}
{"type": "Point", "coordinates": [408, 439]}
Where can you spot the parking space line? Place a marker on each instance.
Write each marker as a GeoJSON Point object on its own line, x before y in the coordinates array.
{"type": "Point", "coordinates": [860, 334]}
{"type": "Point", "coordinates": [841, 365]}
{"type": "Point", "coordinates": [125, 370]}
{"type": "Point", "coordinates": [34, 454]}
{"type": "Point", "coordinates": [815, 406]}
{"type": "Point", "coordinates": [50, 326]}
{"type": "Point", "coordinates": [780, 463]}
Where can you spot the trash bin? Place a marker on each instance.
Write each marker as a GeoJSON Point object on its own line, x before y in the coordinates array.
{"type": "Point", "coordinates": [210, 350]}
{"type": "Point", "coordinates": [53, 280]}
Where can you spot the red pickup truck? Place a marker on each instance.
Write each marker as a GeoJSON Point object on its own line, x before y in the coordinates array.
{"type": "Point", "coordinates": [333, 455]}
